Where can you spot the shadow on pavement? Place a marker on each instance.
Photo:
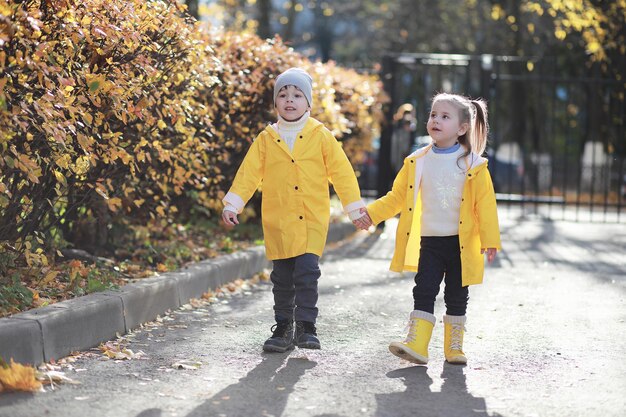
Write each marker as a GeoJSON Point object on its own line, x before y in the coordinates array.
{"type": "Point", "coordinates": [10, 398]}
{"type": "Point", "coordinates": [453, 400]}
{"type": "Point", "coordinates": [151, 412]}
{"type": "Point", "coordinates": [551, 241]}
{"type": "Point", "coordinates": [536, 242]}
{"type": "Point", "coordinates": [265, 389]}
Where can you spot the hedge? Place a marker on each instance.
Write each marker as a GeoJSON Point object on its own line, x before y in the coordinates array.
{"type": "Point", "coordinates": [117, 112]}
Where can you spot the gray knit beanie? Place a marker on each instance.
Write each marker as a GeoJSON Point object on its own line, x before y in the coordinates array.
{"type": "Point", "coordinates": [296, 77]}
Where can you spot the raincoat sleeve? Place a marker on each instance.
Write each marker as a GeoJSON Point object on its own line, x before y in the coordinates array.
{"type": "Point", "coordinates": [391, 203]}
{"type": "Point", "coordinates": [248, 177]}
{"type": "Point", "coordinates": [341, 174]}
{"type": "Point", "coordinates": [487, 212]}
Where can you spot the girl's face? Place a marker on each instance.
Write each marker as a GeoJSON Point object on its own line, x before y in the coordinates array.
{"type": "Point", "coordinates": [291, 103]}
{"type": "Point", "coordinates": [444, 124]}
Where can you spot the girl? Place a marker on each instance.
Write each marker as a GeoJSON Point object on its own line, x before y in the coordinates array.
{"type": "Point", "coordinates": [448, 222]}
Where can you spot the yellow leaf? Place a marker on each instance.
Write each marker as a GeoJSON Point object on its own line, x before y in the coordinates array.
{"type": "Point", "coordinates": [81, 166]}
{"type": "Point", "coordinates": [64, 161]}
{"type": "Point", "coordinates": [560, 34]}
{"type": "Point", "coordinates": [102, 191]}
{"type": "Point", "coordinates": [60, 177]}
{"type": "Point", "coordinates": [17, 377]}
{"type": "Point", "coordinates": [114, 203]}
{"type": "Point", "coordinates": [50, 276]}
{"type": "Point", "coordinates": [88, 118]}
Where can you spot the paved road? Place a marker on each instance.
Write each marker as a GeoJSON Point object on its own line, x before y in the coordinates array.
{"type": "Point", "coordinates": [545, 338]}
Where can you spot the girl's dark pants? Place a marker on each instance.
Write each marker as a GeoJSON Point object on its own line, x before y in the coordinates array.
{"type": "Point", "coordinates": [440, 257]}
{"type": "Point", "coordinates": [295, 288]}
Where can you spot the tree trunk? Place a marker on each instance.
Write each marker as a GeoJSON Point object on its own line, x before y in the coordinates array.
{"type": "Point", "coordinates": [192, 8]}
{"type": "Point", "coordinates": [288, 33]}
{"type": "Point", "coordinates": [518, 98]}
{"type": "Point", "coordinates": [323, 33]}
{"type": "Point", "coordinates": [264, 10]}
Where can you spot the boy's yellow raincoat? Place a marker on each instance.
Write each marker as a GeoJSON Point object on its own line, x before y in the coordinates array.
{"type": "Point", "coordinates": [295, 206]}
{"type": "Point", "coordinates": [478, 222]}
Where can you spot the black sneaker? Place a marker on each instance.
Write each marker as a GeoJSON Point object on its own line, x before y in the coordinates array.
{"type": "Point", "coordinates": [282, 338]}
{"type": "Point", "coordinates": [306, 335]}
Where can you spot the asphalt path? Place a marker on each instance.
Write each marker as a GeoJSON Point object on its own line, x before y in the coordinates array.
{"type": "Point", "coordinates": [545, 337]}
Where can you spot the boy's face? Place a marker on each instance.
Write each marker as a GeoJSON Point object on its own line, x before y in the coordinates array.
{"type": "Point", "coordinates": [291, 103]}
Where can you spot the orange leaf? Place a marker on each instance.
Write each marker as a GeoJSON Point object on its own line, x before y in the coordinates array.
{"type": "Point", "coordinates": [75, 263]}
{"type": "Point", "coordinates": [17, 377]}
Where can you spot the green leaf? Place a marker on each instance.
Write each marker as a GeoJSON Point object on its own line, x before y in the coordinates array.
{"type": "Point", "coordinates": [94, 86]}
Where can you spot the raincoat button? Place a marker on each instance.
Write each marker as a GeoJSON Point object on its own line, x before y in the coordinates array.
{"type": "Point", "coordinates": [410, 186]}
{"type": "Point", "coordinates": [301, 217]}
{"type": "Point", "coordinates": [296, 187]}
{"type": "Point", "coordinates": [293, 160]}
{"type": "Point", "coordinates": [469, 175]}
{"type": "Point", "coordinates": [301, 136]}
{"type": "Point", "coordinates": [407, 233]}
{"type": "Point", "coordinates": [410, 209]}
{"type": "Point", "coordinates": [278, 140]}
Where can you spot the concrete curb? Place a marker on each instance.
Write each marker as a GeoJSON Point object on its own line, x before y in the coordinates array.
{"type": "Point", "coordinates": [55, 331]}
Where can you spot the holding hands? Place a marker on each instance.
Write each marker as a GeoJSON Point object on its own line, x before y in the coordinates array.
{"type": "Point", "coordinates": [364, 222]}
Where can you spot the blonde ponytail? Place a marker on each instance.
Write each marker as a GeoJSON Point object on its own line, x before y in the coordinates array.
{"type": "Point", "coordinates": [480, 128]}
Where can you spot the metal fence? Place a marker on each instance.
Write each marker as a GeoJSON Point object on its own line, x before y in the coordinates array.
{"type": "Point", "coordinates": [557, 144]}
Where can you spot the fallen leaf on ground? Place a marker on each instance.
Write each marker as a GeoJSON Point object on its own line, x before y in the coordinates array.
{"type": "Point", "coordinates": [117, 350]}
{"type": "Point", "coordinates": [55, 377]}
{"type": "Point", "coordinates": [18, 377]}
{"type": "Point", "coordinates": [186, 365]}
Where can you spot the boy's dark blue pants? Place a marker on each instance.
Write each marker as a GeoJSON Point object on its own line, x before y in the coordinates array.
{"type": "Point", "coordinates": [439, 257]}
{"type": "Point", "coordinates": [295, 288]}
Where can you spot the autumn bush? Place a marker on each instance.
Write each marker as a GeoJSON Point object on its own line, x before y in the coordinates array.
{"type": "Point", "coordinates": [119, 114]}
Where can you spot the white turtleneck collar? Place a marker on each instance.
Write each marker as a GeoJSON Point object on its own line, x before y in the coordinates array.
{"type": "Point", "coordinates": [288, 131]}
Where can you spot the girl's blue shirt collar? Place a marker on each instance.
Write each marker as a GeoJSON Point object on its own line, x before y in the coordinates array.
{"type": "Point", "coordinates": [450, 149]}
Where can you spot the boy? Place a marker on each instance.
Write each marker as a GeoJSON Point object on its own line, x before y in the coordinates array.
{"type": "Point", "coordinates": [294, 158]}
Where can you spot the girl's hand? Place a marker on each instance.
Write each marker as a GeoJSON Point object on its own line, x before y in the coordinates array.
{"type": "Point", "coordinates": [491, 253]}
{"type": "Point", "coordinates": [229, 218]}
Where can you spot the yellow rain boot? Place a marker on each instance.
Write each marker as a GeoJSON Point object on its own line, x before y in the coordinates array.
{"type": "Point", "coordinates": [415, 346]}
{"type": "Point", "coordinates": [454, 328]}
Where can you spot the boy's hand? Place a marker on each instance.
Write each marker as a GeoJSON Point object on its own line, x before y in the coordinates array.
{"type": "Point", "coordinates": [491, 253]}
{"type": "Point", "coordinates": [229, 218]}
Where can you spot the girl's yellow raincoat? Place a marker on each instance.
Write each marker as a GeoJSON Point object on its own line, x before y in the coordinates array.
{"type": "Point", "coordinates": [478, 222]}
{"type": "Point", "coordinates": [295, 206]}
